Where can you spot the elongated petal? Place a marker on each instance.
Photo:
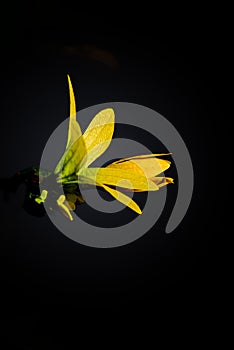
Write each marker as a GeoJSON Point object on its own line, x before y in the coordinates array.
{"type": "Point", "coordinates": [145, 166]}
{"type": "Point", "coordinates": [159, 181]}
{"type": "Point", "coordinates": [74, 140]}
{"type": "Point", "coordinates": [116, 177]}
{"type": "Point", "coordinates": [74, 131]}
{"type": "Point", "coordinates": [98, 135]}
{"type": "Point", "coordinates": [151, 155]}
{"type": "Point", "coordinates": [123, 199]}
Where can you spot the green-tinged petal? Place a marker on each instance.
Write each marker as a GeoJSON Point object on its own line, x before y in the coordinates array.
{"type": "Point", "coordinates": [123, 199]}
{"type": "Point", "coordinates": [98, 135]}
{"type": "Point", "coordinates": [70, 161]}
{"type": "Point", "coordinates": [116, 177]}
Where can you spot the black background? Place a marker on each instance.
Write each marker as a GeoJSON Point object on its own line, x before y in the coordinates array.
{"type": "Point", "coordinates": [168, 62]}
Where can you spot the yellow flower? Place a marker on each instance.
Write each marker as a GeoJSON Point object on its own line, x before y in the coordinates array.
{"type": "Point", "coordinates": [137, 173]}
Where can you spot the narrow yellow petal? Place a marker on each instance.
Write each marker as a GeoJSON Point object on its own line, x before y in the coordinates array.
{"type": "Point", "coordinates": [159, 181]}
{"type": "Point", "coordinates": [151, 155]}
{"type": "Point", "coordinates": [116, 177]}
{"type": "Point", "coordinates": [72, 98]}
{"type": "Point", "coordinates": [74, 142]}
{"type": "Point", "coordinates": [74, 130]}
{"type": "Point", "coordinates": [123, 199]}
